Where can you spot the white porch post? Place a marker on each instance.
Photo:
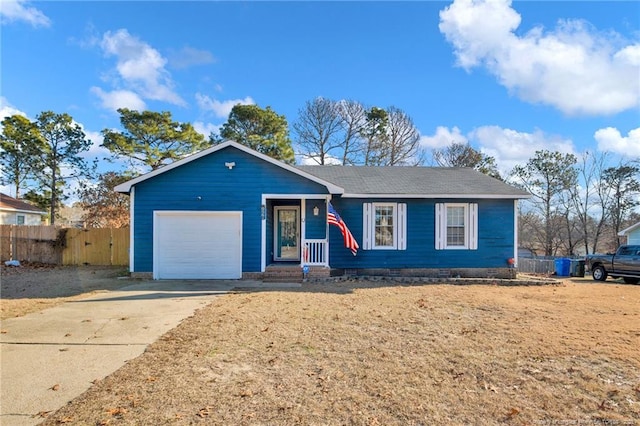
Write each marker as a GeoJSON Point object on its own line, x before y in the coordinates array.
{"type": "Point", "coordinates": [263, 242]}
{"type": "Point", "coordinates": [326, 224]}
{"type": "Point", "coordinates": [303, 227]}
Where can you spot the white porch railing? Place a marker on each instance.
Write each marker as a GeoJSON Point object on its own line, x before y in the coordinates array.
{"type": "Point", "coordinates": [314, 252]}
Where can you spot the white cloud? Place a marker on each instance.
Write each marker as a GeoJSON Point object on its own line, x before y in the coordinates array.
{"type": "Point", "coordinates": [18, 10]}
{"type": "Point", "coordinates": [220, 109]}
{"type": "Point", "coordinates": [442, 138]}
{"type": "Point", "coordinates": [140, 69]}
{"type": "Point", "coordinates": [314, 160]}
{"type": "Point", "coordinates": [206, 128]}
{"type": "Point", "coordinates": [119, 99]}
{"type": "Point", "coordinates": [610, 139]}
{"type": "Point", "coordinates": [508, 147]}
{"type": "Point", "coordinates": [573, 67]}
{"type": "Point", "coordinates": [7, 110]}
{"type": "Point", "coordinates": [188, 57]}
{"type": "Point", "coordinates": [96, 150]}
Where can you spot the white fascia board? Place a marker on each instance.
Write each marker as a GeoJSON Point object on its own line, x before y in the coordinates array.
{"type": "Point", "coordinates": [629, 229]}
{"type": "Point", "coordinates": [126, 186]}
{"type": "Point", "coordinates": [12, 210]}
{"type": "Point", "coordinates": [430, 196]}
{"type": "Point", "coordinates": [293, 196]}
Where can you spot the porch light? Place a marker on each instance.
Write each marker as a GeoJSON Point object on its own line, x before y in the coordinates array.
{"type": "Point", "coordinates": [316, 210]}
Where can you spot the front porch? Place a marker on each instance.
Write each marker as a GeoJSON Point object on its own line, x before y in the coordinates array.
{"type": "Point", "coordinates": [295, 235]}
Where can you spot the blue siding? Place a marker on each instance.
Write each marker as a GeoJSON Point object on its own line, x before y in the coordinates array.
{"type": "Point", "coordinates": [316, 226]}
{"type": "Point", "coordinates": [219, 189]}
{"type": "Point", "coordinates": [495, 237]}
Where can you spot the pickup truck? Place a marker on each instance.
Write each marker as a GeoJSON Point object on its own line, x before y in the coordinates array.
{"type": "Point", "coordinates": [625, 263]}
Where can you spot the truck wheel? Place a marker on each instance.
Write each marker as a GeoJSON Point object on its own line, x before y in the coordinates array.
{"type": "Point", "coordinates": [599, 273]}
{"type": "Point", "coordinates": [631, 280]}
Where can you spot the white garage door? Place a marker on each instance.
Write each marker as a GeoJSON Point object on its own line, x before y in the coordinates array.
{"type": "Point", "coordinates": [197, 245]}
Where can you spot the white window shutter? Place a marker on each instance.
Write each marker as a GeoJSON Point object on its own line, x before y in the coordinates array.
{"type": "Point", "coordinates": [473, 226]}
{"type": "Point", "coordinates": [441, 223]}
{"type": "Point", "coordinates": [366, 226]}
{"type": "Point", "coordinates": [402, 226]}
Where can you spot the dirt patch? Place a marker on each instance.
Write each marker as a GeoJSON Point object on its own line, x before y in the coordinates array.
{"type": "Point", "coordinates": [32, 287]}
{"type": "Point", "coordinates": [387, 355]}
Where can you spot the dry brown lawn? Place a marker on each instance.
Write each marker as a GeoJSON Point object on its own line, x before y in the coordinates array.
{"type": "Point", "coordinates": [33, 287]}
{"type": "Point", "coordinates": [365, 354]}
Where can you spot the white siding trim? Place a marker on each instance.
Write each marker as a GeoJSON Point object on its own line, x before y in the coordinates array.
{"type": "Point", "coordinates": [263, 238]}
{"type": "Point", "coordinates": [294, 196]}
{"type": "Point", "coordinates": [435, 196]}
{"type": "Point", "coordinates": [473, 227]}
{"type": "Point", "coordinates": [441, 223]}
{"type": "Point", "coordinates": [366, 226]}
{"type": "Point", "coordinates": [132, 241]}
{"type": "Point", "coordinates": [515, 231]}
{"type": "Point", "coordinates": [402, 226]}
{"type": "Point", "coordinates": [302, 229]}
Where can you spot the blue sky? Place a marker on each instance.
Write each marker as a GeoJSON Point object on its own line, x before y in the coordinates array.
{"type": "Point", "coordinates": [508, 77]}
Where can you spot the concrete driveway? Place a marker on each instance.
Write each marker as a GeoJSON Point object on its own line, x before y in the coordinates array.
{"type": "Point", "coordinates": [50, 357]}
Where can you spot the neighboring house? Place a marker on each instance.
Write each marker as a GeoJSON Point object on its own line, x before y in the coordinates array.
{"type": "Point", "coordinates": [231, 212]}
{"type": "Point", "coordinates": [632, 233]}
{"type": "Point", "coordinates": [16, 212]}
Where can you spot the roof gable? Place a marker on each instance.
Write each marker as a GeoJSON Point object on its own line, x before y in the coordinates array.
{"type": "Point", "coordinates": [12, 204]}
{"type": "Point", "coordinates": [126, 186]}
{"type": "Point", "coordinates": [629, 230]}
{"type": "Point", "coordinates": [371, 181]}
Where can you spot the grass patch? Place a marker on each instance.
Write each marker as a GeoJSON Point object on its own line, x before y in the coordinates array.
{"type": "Point", "coordinates": [386, 355]}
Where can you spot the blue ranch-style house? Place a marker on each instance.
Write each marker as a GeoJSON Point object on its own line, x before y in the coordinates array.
{"type": "Point", "coordinates": [229, 212]}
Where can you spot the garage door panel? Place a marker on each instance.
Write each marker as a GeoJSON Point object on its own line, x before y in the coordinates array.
{"type": "Point", "coordinates": [198, 245]}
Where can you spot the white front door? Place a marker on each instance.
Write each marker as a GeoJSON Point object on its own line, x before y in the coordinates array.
{"type": "Point", "coordinates": [286, 233]}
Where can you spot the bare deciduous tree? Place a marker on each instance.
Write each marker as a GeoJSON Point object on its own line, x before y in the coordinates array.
{"type": "Point", "coordinates": [463, 155]}
{"type": "Point", "coordinates": [318, 130]}
{"type": "Point", "coordinates": [403, 139]}
{"type": "Point", "coordinates": [353, 116]}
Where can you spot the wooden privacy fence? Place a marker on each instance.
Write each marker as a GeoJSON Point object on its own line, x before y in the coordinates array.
{"type": "Point", "coordinates": [65, 246]}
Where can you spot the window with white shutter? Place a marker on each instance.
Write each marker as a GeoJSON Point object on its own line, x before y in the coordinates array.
{"type": "Point", "coordinates": [456, 226]}
{"type": "Point", "coordinates": [384, 226]}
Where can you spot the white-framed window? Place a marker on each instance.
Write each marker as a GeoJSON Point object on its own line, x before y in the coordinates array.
{"type": "Point", "coordinates": [456, 226]}
{"type": "Point", "coordinates": [384, 226]}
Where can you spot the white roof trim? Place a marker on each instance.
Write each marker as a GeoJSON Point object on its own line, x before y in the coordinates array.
{"type": "Point", "coordinates": [430, 196]}
{"type": "Point", "coordinates": [126, 186]}
{"type": "Point", "coordinates": [628, 230]}
{"type": "Point", "coordinates": [12, 210]}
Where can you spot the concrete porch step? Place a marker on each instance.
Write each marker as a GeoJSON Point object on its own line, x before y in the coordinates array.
{"type": "Point", "coordinates": [292, 273]}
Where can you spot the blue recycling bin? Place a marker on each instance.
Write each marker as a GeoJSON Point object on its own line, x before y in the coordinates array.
{"type": "Point", "coordinates": [563, 267]}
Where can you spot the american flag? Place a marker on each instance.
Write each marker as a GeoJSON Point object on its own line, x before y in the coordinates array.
{"type": "Point", "coordinates": [334, 219]}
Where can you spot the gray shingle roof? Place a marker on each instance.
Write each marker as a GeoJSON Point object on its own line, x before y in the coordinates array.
{"type": "Point", "coordinates": [9, 203]}
{"type": "Point", "coordinates": [415, 182]}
